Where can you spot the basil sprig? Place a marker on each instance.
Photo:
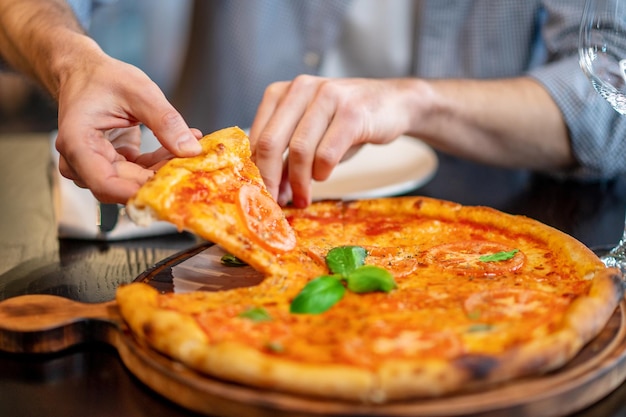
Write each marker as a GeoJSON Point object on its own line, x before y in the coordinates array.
{"type": "Point", "coordinates": [499, 256]}
{"type": "Point", "coordinates": [344, 260]}
{"type": "Point", "coordinates": [231, 260]}
{"type": "Point", "coordinates": [256, 314]}
{"type": "Point", "coordinates": [347, 264]}
{"type": "Point", "coordinates": [370, 278]}
{"type": "Point", "coordinates": [318, 295]}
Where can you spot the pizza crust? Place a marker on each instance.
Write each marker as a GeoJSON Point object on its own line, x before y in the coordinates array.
{"type": "Point", "coordinates": [584, 320]}
{"type": "Point", "coordinates": [179, 336]}
{"type": "Point", "coordinates": [588, 315]}
{"type": "Point", "coordinates": [167, 331]}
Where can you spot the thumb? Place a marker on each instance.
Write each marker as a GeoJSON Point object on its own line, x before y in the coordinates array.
{"type": "Point", "coordinates": [153, 110]}
{"type": "Point", "coordinates": [173, 133]}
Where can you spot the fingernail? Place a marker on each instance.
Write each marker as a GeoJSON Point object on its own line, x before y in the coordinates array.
{"type": "Point", "coordinates": [300, 202]}
{"type": "Point", "coordinates": [282, 200]}
{"type": "Point", "coordinates": [189, 145]}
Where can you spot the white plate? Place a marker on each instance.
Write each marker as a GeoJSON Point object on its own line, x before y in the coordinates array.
{"type": "Point", "coordinates": [380, 170]}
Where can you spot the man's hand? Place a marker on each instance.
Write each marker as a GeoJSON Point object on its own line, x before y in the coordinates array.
{"type": "Point", "coordinates": [509, 122]}
{"type": "Point", "coordinates": [102, 101]}
{"type": "Point", "coordinates": [100, 110]}
{"type": "Point", "coordinates": [320, 122]}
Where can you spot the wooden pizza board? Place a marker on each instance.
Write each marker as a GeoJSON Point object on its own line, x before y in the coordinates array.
{"type": "Point", "coordinates": [46, 323]}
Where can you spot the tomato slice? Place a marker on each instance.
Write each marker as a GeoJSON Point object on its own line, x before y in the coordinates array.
{"type": "Point", "coordinates": [369, 348]}
{"type": "Point", "coordinates": [464, 258]}
{"type": "Point", "coordinates": [265, 219]}
{"type": "Point", "coordinates": [513, 304]}
{"type": "Point", "coordinates": [400, 262]}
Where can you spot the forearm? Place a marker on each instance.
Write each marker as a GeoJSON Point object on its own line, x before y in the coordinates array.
{"type": "Point", "coordinates": [42, 39]}
{"type": "Point", "coordinates": [511, 122]}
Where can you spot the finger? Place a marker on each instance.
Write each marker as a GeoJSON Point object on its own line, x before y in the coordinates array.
{"type": "Point", "coordinates": [156, 166]}
{"type": "Point", "coordinates": [271, 97]}
{"type": "Point", "coordinates": [152, 108]}
{"type": "Point", "coordinates": [90, 164]}
{"type": "Point", "coordinates": [197, 133]}
{"type": "Point", "coordinates": [157, 158]}
{"type": "Point", "coordinates": [261, 149]}
{"type": "Point", "coordinates": [149, 159]}
{"type": "Point", "coordinates": [284, 191]}
{"type": "Point", "coordinates": [274, 139]}
{"type": "Point", "coordinates": [67, 172]}
{"type": "Point", "coordinates": [304, 148]}
{"type": "Point", "coordinates": [131, 172]}
{"type": "Point", "coordinates": [339, 142]}
{"type": "Point", "coordinates": [129, 146]}
{"type": "Point", "coordinates": [126, 141]}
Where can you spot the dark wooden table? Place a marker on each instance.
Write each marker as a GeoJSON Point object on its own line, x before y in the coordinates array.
{"type": "Point", "coordinates": [90, 380]}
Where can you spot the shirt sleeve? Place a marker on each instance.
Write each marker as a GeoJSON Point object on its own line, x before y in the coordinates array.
{"type": "Point", "coordinates": [596, 130]}
{"type": "Point", "coordinates": [83, 9]}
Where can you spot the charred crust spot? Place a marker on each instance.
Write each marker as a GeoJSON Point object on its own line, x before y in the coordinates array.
{"type": "Point", "coordinates": [620, 288]}
{"type": "Point", "coordinates": [619, 282]}
{"type": "Point", "coordinates": [147, 329]}
{"type": "Point", "coordinates": [477, 366]}
{"type": "Point", "coordinates": [220, 148]}
{"type": "Point", "coordinates": [417, 205]}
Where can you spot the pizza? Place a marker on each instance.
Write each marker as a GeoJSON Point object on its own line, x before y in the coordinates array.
{"type": "Point", "coordinates": [377, 300]}
{"type": "Point", "coordinates": [212, 195]}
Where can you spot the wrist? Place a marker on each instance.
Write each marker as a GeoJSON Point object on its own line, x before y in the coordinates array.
{"type": "Point", "coordinates": [73, 53]}
{"type": "Point", "coordinates": [424, 105]}
{"type": "Point", "coordinates": [41, 38]}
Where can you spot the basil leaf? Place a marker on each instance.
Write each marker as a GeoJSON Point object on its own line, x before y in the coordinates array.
{"type": "Point", "coordinates": [480, 327]}
{"type": "Point", "coordinates": [345, 259]}
{"type": "Point", "coordinates": [275, 347]}
{"type": "Point", "coordinates": [232, 260]}
{"type": "Point", "coordinates": [256, 314]}
{"type": "Point", "coordinates": [474, 315]}
{"type": "Point", "coordinates": [370, 278]}
{"type": "Point", "coordinates": [498, 256]}
{"type": "Point", "coordinates": [318, 295]}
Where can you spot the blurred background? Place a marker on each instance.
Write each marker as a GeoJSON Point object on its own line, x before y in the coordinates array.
{"type": "Point", "coordinates": [150, 34]}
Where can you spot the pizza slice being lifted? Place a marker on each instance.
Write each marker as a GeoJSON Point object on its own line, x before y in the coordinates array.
{"type": "Point", "coordinates": [220, 196]}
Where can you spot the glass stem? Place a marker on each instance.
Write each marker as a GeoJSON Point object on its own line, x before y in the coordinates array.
{"type": "Point", "coordinates": [616, 258]}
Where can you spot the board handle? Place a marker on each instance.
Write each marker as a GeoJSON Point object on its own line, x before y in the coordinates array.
{"type": "Point", "coordinates": [47, 323]}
